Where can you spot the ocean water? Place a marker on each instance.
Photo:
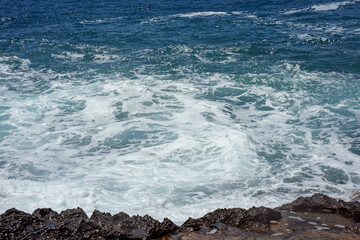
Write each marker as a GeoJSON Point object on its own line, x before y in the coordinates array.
{"type": "Point", "coordinates": [176, 108]}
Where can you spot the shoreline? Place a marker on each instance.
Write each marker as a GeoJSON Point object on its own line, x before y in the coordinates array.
{"type": "Point", "coordinates": [316, 217]}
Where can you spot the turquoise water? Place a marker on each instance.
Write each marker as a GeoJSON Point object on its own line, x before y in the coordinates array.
{"type": "Point", "coordinates": [174, 109]}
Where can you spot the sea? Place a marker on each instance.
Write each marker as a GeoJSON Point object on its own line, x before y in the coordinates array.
{"type": "Point", "coordinates": [177, 108]}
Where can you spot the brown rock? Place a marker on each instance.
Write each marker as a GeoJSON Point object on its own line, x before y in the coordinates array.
{"type": "Point", "coordinates": [323, 203]}
{"type": "Point", "coordinates": [254, 219]}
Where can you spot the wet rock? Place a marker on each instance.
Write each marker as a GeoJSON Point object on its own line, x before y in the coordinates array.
{"type": "Point", "coordinates": [323, 203]}
{"type": "Point", "coordinates": [232, 217]}
{"type": "Point", "coordinates": [223, 232]}
{"type": "Point", "coordinates": [137, 227]}
{"type": "Point", "coordinates": [315, 217]}
{"type": "Point", "coordinates": [123, 226]}
{"type": "Point", "coordinates": [16, 224]}
{"type": "Point", "coordinates": [355, 228]}
{"type": "Point", "coordinates": [100, 224]}
{"type": "Point", "coordinates": [74, 224]}
{"type": "Point", "coordinates": [254, 219]}
{"type": "Point", "coordinates": [72, 218]}
{"type": "Point", "coordinates": [233, 234]}
{"type": "Point", "coordinates": [263, 215]}
{"type": "Point", "coordinates": [45, 214]}
{"type": "Point", "coordinates": [320, 235]}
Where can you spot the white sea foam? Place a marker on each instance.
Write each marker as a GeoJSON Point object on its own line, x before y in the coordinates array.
{"type": "Point", "coordinates": [293, 11]}
{"type": "Point", "coordinates": [305, 36]}
{"type": "Point", "coordinates": [188, 15]}
{"type": "Point", "coordinates": [200, 14]}
{"type": "Point", "coordinates": [104, 20]}
{"type": "Point", "coordinates": [70, 56]}
{"type": "Point", "coordinates": [322, 7]}
{"type": "Point", "coordinates": [150, 145]}
{"type": "Point", "coordinates": [14, 62]}
{"type": "Point", "coordinates": [311, 32]}
{"type": "Point", "coordinates": [4, 19]}
{"type": "Point", "coordinates": [244, 14]}
{"type": "Point", "coordinates": [106, 58]}
{"type": "Point", "coordinates": [329, 6]}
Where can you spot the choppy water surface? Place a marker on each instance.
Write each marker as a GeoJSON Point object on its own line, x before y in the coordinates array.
{"type": "Point", "coordinates": [177, 108]}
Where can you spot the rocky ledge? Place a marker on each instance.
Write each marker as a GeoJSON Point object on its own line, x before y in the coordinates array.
{"type": "Point", "coordinates": [315, 217]}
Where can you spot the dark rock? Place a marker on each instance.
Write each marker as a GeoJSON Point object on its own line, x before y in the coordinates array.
{"type": "Point", "coordinates": [76, 214]}
{"type": "Point", "coordinates": [100, 224]}
{"type": "Point", "coordinates": [234, 223]}
{"type": "Point", "coordinates": [123, 226]}
{"type": "Point", "coordinates": [16, 224]}
{"type": "Point", "coordinates": [263, 215]}
{"type": "Point", "coordinates": [254, 219]}
{"type": "Point", "coordinates": [71, 219]}
{"type": "Point", "coordinates": [45, 214]}
{"type": "Point", "coordinates": [219, 226]}
{"type": "Point", "coordinates": [166, 227]}
{"type": "Point", "coordinates": [232, 217]}
{"type": "Point", "coordinates": [258, 218]}
{"type": "Point", "coordinates": [91, 230]}
{"type": "Point", "coordinates": [137, 227]}
{"type": "Point", "coordinates": [325, 204]}
{"type": "Point", "coordinates": [74, 224]}
{"type": "Point", "coordinates": [120, 217]}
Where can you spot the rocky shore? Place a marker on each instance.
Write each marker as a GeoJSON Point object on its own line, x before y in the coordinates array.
{"type": "Point", "coordinates": [315, 217]}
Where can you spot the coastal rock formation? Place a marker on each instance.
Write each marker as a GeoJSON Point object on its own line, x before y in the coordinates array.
{"type": "Point", "coordinates": [254, 219]}
{"type": "Point", "coordinates": [74, 224]}
{"type": "Point", "coordinates": [315, 217]}
{"type": "Point", "coordinates": [325, 204]}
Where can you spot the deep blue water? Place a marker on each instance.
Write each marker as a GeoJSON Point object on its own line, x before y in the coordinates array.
{"type": "Point", "coordinates": [175, 108]}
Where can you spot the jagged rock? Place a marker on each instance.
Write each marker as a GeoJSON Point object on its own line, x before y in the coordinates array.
{"type": "Point", "coordinates": [72, 218]}
{"type": "Point", "coordinates": [45, 214]}
{"type": "Point", "coordinates": [338, 216]}
{"type": "Point", "coordinates": [74, 224]}
{"type": "Point", "coordinates": [254, 219]}
{"type": "Point", "coordinates": [231, 217]}
{"type": "Point", "coordinates": [166, 227]}
{"type": "Point", "coordinates": [123, 226]}
{"type": "Point", "coordinates": [16, 224]}
{"type": "Point", "coordinates": [322, 203]}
